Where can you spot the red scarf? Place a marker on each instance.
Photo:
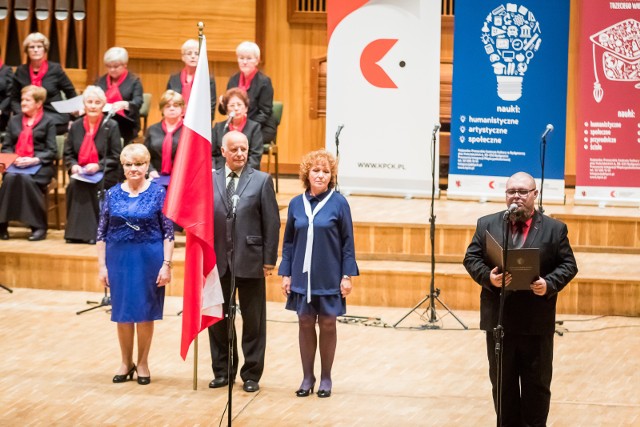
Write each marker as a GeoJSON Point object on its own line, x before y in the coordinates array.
{"type": "Point", "coordinates": [36, 79]}
{"type": "Point", "coordinates": [240, 126]}
{"type": "Point", "coordinates": [245, 82]}
{"type": "Point", "coordinates": [113, 90]}
{"type": "Point", "coordinates": [24, 146]}
{"type": "Point", "coordinates": [186, 86]}
{"type": "Point", "coordinates": [167, 148]}
{"type": "Point", "coordinates": [88, 152]}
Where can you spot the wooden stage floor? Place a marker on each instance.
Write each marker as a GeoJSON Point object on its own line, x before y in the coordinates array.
{"type": "Point", "coordinates": [57, 367]}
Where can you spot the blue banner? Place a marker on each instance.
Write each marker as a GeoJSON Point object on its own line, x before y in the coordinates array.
{"type": "Point", "coordinates": [509, 85]}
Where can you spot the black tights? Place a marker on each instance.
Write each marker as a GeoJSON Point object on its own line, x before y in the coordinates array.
{"type": "Point", "coordinates": [308, 344]}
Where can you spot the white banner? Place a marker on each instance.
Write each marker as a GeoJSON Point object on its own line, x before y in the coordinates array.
{"type": "Point", "coordinates": [383, 92]}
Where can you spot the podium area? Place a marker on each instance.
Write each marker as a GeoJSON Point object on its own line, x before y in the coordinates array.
{"type": "Point", "coordinates": [393, 253]}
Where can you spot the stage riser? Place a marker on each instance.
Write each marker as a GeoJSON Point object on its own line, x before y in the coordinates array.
{"type": "Point", "coordinates": [372, 288]}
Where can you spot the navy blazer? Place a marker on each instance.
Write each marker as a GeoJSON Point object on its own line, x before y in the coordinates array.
{"type": "Point", "coordinates": [131, 91]}
{"type": "Point", "coordinates": [109, 134]}
{"type": "Point", "coordinates": [257, 223]}
{"type": "Point", "coordinates": [524, 312]}
{"type": "Point", "coordinates": [175, 84]}
{"type": "Point", "coordinates": [153, 141]}
{"type": "Point", "coordinates": [254, 136]}
{"type": "Point", "coordinates": [55, 82]}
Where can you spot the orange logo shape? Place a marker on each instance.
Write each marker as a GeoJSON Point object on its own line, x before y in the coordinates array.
{"type": "Point", "coordinates": [371, 55]}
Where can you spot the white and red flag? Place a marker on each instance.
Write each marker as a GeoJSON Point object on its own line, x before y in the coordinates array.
{"type": "Point", "coordinates": [189, 203]}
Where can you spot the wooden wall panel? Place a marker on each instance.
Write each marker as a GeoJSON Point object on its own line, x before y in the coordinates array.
{"type": "Point", "coordinates": [160, 26]}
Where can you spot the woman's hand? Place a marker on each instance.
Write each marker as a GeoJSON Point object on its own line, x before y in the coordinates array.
{"type": "Point", "coordinates": [496, 278]}
{"type": "Point", "coordinates": [153, 174]}
{"type": "Point", "coordinates": [286, 285]}
{"type": "Point", "coordinates": [91, 168]}
{"type": "Point", "coordinates": [120, 105]}
{"type": "Point", "coordinates": [25, 162]}
{"type": "Point", "coordinates": [345, 286]}
{"type": "Point", "coordinates": [76, 169]}
{"type": "Point", "coordinates": [164, 275]}
{"type": "Point", "coordinates": [103, 276]}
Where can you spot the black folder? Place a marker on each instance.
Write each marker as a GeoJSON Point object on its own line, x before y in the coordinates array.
{"type": "Point", "coordinates": [523, 263]}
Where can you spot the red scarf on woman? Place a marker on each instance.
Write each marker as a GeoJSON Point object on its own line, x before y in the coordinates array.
{"type": "Point", "coordinates": [113, 90]}
{"type": "Point", "coordinates": [186, 86]}
{"type": "Point", "coordinates": [24, 146]}
{"type": "Point", "coordinates": [88, 152]}
{"type": "Point", "coordinates": [245, 82]}
{"type": "Point", "coordinates": [167, 148]}
{"type": "Point", "coordinates": [240, 126]}
{"type": "Point", "coordinates": [36, 79]}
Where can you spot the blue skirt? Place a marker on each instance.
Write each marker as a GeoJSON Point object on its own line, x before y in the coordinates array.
{"type": "Point", "coordinates": [133, 269]}
{"type": "Point", "coordinates": [323, 305]}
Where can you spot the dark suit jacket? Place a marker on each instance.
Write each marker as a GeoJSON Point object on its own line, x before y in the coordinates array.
{"type": "Point", "coordinates": [253, 134]}
{"type": "Point", "coordinates": [6, 81]}
{"type": "Point", "coordinates": [109, 136]}
{"type": "Point", "coordinates": [131, 91]}
{"type": "Point", "coordinates": [257, 223]}
{"type": "Point", "coordinates": [44, 144]}
{"type": "Point", "coordinates": [175, 83]}
{"type": "Point", "coordinates": [260, 100]}
{"type": "Point", "coordinates": [524, 312]}
{"type": "Point", "coordinates": [55, 82]}
{"type": "Point", "coordinates": [153, 141]}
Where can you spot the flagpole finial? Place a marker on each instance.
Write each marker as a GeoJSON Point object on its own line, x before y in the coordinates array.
{"type": "Point", "coordinates": [200, 34]}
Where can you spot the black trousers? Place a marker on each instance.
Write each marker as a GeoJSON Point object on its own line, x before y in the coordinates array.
{"type": "Point", "coordinates": [527, 364]}
{"type": "Point", "coordinates": [253, 307]}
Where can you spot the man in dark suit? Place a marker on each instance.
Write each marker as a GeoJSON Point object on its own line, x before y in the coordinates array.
{"type": "Point", "coordinates": [529, 316]}
{"type": "Point", "coordinates": [256, 251]}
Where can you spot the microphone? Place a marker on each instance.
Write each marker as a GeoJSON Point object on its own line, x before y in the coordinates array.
{"type": "Point", "coordinates": [234, 203]}
{"type": "Point", "coordinates": [512, 208]}
{"type": "Point", "coordinates": [436, 127]}
{"type": "Point", "coordinates": [340, 126]}
{"type": "Point", "coordinates": [547, 131]}
{"type": "Point", "coordinates": [231, 116]}
{"type": "Point", "coordinates": [109, 116]}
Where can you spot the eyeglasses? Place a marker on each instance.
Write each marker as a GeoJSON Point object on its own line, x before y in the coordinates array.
{"type": "Point", "coordinates": [130, 165]}
{"type": "Point", "coordinates": [521, 193]}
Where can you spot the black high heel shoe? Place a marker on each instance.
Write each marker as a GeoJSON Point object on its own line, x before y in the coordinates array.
{"type": "Point", "coordinates": [301, 392]}
{"type": "Point", "coordinates": [144, 380]}
{"type": "Point", "coordinates": [126, 377]}
{"type": "Point", "coordinates": [324, 393]}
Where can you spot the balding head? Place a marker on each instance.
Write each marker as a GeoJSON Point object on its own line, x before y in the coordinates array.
{"type": "Point", "coordinates": [521, 190]}
{"type": "Point", "coordinates": [235, 148]}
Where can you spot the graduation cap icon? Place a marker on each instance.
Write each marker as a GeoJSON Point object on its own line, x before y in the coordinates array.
{"type": "Point", "coordinates": [621, 54]}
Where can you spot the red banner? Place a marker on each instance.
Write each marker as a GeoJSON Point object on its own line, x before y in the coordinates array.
{"type": "Point", "coordinates": [608, 116]}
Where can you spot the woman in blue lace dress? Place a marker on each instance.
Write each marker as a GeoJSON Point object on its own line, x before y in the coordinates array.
{"type": "Point", "coordinates": [135, 246]}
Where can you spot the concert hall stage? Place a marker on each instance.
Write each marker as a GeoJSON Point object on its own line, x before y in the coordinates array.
{"type": "Point", "coordinates": [393, 252]}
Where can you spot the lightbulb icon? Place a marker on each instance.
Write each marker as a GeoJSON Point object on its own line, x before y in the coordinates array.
{"type": "Point", "coordinates": [511, 37]}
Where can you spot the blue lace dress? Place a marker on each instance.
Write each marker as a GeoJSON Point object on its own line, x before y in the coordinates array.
{"type": "Point", "coordinates": [134, 229]}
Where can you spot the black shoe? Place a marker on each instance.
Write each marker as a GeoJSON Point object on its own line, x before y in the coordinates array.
{"type": "Point", "coordinates": [91, 242]}
{"type": "Point", "coordinates": [250, 386]}
{"type": "Point", "coordinates": [301, 392]}
{"type": "Point", "coordinates": [4, 235]}
{"type": "Point", "coordinates": [324, 393]}
{"type": "Point", "coordinates": [126, 377]}
{"type": "Point", "coordinates": [38, 234]}
{"type": "Point", "coordinates": [144, 380]}
{"type": "Point", "coordinates": [219, 382]}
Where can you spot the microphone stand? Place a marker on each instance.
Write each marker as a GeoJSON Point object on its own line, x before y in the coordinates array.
{"type": "Point", "coordinates": [231, 327]}
{"type": "Point", "coordinates": [498, 331]}
{"type": "Point", "coordinates": [338, 154]}
{"type": "Point", "coordinates": [106, 299]}
{"type": "Point", "coordinates": [433, 291]}
{"type": "Point", "coordinates": [6, 288]}
{"type": "Point", "coordinates": [542, 161]}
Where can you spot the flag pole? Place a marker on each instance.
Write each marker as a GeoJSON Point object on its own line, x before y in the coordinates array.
{"type": "Point", "coordinates": [195, 343]}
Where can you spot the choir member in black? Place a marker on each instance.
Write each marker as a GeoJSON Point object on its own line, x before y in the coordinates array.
{"type": "Point", "coordinates": [124, 92]}
{"type": "Point", "coordinates": [32, 136]}
{"type": "Point", "coordinates": [39, 71]}
{"type": "Point", "coordinates": [162, 138]}
{"type": "Point", "coordinates": [91, 147]}
{"type": "Point", "coordinates": [258, 87]}
{"type": "Point", "coordinates": [236, 101]}
{"type": "Point", "coordinates": [6, 81]}
{"type": "Point", "coordinates": [181, 82]}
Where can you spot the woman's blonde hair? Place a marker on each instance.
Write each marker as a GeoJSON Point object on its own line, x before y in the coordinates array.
{"type": "Point", "coordinates": [35, 38]}
{"type": "Point", "coordinates": [135, 152]}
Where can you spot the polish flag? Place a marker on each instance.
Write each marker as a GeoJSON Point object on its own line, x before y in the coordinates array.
{"type": "Point", "coordinates": [189, 203]}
